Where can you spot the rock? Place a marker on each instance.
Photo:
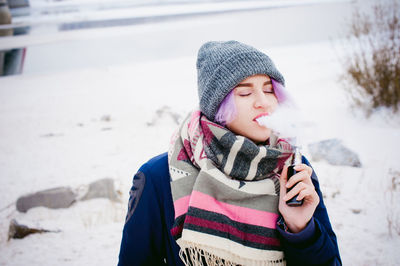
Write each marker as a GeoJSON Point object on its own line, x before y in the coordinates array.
{"type": "Point", "coordinates": [334, 152]}
{"type": "Point", "coordinates": [103, 188]}
{"type": "Point", "coordinates": [17, 230]}
{"type": "Point", "coordinates": [163, 113]}
{"type": "Point", "coordinates": [106, 118]}
{"type": "Point", "coordinates": [51, 135]}
{"type": "Point", "coordinates": [356, 211]}
{"type": "Point", "coordinates": [54, 198]}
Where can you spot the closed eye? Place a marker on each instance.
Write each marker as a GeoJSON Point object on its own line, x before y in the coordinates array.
{"type": "Point", "coordinates": [268, 89]}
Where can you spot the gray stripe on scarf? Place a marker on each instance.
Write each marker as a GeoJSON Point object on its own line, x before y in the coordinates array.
{"type": "Point", "coordinates": [182, 187]}
{"type": "Point", "coordinates": [267, 164]}
{"type": "Point", "coordinates": [246, 154]}
{"type": "Point", "coordinates": [221, 148]}
{"type": "Point", "coordinates": [210, 186]}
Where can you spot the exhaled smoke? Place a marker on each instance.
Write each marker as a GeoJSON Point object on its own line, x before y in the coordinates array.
{"type": "Point", "coordinates": [285, 122]}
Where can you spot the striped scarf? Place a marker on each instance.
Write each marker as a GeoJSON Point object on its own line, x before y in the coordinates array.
{"type": "Point", "coordinates": [225, 192]}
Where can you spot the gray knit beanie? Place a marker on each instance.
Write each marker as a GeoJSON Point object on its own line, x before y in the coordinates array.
{"type": "Point", "coordinates": [223, 65]}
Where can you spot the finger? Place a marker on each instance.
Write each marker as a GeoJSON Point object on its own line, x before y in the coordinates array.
{"type": "Point", "coordinates": [310, 196]}
{"type": "Point", "coordinates": [302, 176]}
{"type": "Point", "coordinates": [304, 167]}
{"type": "Point", "coordinates": [305, 194]}
{"type": "Point", "coordinates": [282, 181]}
{"type": "Point", "coordinates": [295, 190]}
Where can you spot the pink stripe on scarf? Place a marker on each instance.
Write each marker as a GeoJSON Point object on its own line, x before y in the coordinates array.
{"type": "Point", "coordinates": [181, 206]}
{"type": "Point", "coordinates": [233, 231]}
{"type": "Point", "coordinates": [235, 213]}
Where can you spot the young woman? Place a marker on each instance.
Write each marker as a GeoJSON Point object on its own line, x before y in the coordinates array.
{"type": "Point", "coordinates": [219, 196]}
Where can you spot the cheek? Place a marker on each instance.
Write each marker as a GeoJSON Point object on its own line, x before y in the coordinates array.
{"type": "Point", "coordinates": [241, 118]}
{"type": "Point", "coordinates": [274, 103]}
{"type": "Point", "coordinates": [242, 106]}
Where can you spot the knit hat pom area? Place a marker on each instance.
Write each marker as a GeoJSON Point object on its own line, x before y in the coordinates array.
{"type": "Point", "coordinates": [223, 65]}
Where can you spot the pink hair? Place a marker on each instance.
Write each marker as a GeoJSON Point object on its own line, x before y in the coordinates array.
{"type": "Point", "coordinates": [227, 109]}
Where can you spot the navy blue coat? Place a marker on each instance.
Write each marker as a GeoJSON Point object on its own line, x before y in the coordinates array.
{"type": "Point", "coordinates": [147, 240]}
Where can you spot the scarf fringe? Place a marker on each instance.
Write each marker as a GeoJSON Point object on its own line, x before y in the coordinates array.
{"type": "Point", "coordinates": [193, 255]}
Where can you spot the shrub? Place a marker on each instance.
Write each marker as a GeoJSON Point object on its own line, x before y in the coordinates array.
{"type": "Point", "coordinates": [372, 69]}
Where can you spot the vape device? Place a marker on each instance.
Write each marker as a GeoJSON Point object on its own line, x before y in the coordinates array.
{"type": "Point", "coordinates": [295, 161]}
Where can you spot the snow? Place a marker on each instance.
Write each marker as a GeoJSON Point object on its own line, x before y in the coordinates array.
{"type": "Point", "coordinates": [72, 127]}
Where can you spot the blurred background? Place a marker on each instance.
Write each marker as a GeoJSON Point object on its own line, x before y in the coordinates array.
{"type": "Point", "coordinates": [62, 35]}
{"type": "Point", "coordinates": [90, 90]}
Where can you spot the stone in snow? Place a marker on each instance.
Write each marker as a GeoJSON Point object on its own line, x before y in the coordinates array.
{"type": "Point", "coordinates": [55, 198]}
{"type": "Point", "coordinates": [103, 188]}
{"type": "Point", "coordinates": [334, 152]}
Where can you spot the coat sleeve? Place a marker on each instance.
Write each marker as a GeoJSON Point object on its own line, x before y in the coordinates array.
{"type": "Point", "coordinates": [317, 243]}
{"type": "Point", "coordinates": [142, 238]}
{"type": "Point", "coordinates": [146, 237]}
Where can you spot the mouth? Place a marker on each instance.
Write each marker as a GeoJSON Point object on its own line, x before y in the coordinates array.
{"type": "Point", "coordinates": [259, 116]}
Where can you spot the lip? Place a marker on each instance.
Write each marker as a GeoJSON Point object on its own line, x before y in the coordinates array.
{"type": "Point", "coordinates": [260, 115]}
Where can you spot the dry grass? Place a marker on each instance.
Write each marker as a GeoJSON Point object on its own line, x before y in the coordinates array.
{"type": "Point", "coordinates": [373, 65]}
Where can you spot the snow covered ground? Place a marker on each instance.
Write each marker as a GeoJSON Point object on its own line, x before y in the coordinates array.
{"type": "Point", "coordinates": [72, 127]}
{"type": "Point", "coordinates": [53, 135]}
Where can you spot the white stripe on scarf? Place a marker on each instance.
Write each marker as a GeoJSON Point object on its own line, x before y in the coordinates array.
{"type": "Point", "coordinates": [237, 145]}
{"type": "Point", "coordinates": [262, 152]}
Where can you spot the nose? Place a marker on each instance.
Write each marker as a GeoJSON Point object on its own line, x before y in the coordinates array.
{"type": "Point", "coordinates": [261, 100]}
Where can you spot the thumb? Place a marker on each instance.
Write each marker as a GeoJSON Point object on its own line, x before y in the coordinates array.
{"type": "Point", "coordinates": [282, 181]}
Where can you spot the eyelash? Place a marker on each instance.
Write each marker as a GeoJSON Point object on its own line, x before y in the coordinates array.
{"type": "Point", "coordinates": [247, 94]}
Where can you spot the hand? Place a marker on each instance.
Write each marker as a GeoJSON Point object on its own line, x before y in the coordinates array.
{"type": "Point", "coordinates": [296, 218]}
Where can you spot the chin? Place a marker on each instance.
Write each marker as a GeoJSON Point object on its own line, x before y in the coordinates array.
{"type": "Point", "coordinates": [261, 137]}
{"type": "Point", "coordinates": [256, 133]}
{"type": "Point", "coordinates": [260, 140]}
